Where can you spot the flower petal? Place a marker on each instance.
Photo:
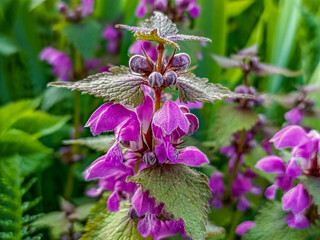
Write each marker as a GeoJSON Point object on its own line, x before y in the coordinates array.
{"type": "Point", "coordinates": [271, 164]}
{"type": "Point", "coordinates": [243, 227]}
{"type": "Point", "coordinates": [297, 199]}
{"type": "Point", "coordinates": [113, 202]}
{"type": "Point", "coordinates": [192, 156]}
{"type": "Point", "coordinates": [290, 136]}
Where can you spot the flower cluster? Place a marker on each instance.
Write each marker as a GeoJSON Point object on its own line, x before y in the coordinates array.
{"type": "Point", "coordinates": [113, 36]}
{"type": "Point", "coordinates": [150, 137]}
{"type": "Point", "coordinates": [303, 161]}
{"type": "Point", "coordinates": [251, 103]}
{"type": "Point", "coordinates": [80, 12]}
{"type": "Point", "coordinates": [176, 12]}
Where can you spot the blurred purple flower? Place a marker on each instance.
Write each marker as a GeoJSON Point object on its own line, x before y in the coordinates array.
{"type": "Point", "coordinates": [113, 36]}
{"type": "Point", "coordinates": [62, 65]}
{"type": "Point", "coordinates": [151, 51]}
{"type": "Point", "coordinates": [242, 228]}
{"type": "Point", "coordinates": [294, 116]}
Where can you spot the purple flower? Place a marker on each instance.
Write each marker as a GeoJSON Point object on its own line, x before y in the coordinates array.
{"type": "Point", "coordinates": [87, 7]}
{"type": "Point", "coordinates": [62, 65]}
{"type": "Point", "coordinates": [290, 136]}
{"type": "Point", "coordinates": [151, 51]}
{"type": "Point", "coordinates": [299, 221]}
{"type": "Point", "coordinates": [192, 156]}
{"type": "Point", "coordinates": [297, 199]}
{"type": "Point", "coordinates": [217, 187]}
{"type": "Point", "coordinates": [113, 36]}
{"type": "Point", "coordinates": [242, 228]}
{"type": "Point", "coordinates": [271, 164]}
{"type": "Point", "coordinates": [294, 116]}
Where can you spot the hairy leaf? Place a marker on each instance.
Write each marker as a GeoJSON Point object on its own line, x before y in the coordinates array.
{"type": "Point", "coordinates": [100, 143]}
{"type": "Point", "coordinates": [312, 184]}
{"type": "Point", "coordinates": [112, 225]}
{"type": "Point", "coordinates": [272, 225]}
{"type": "Point", "coordinates": [184, 192]}
{"type": "Point", "coordinates": [192, 88]}
{"type": "Point", "coordinates": [161, 29]}
{"type": "Point", "coordinates": [231, 119]}
{"type": "Point", "coordinates": [121, 86]}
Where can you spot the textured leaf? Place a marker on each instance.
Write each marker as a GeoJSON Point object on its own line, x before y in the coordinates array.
{"type": "Point", "coordinates": [121, 86]}
{"type": "Point", "coordinates": [184, 192]}
{"type": "Point", "coordinates": [161, 29]}
{"type": "Point", "coordinates": [312, 184]}
{"type": "Point", "coordinates": [100, 143]}
{"type": "Point", "coordinates": [226, 62]}
{"type": "Point", "coordinates": [192, 88]}
{"type": "Point", "coordinates": [272, 225]}
{"type": "Point", "coordinates": [113, 225]}
{"type": "Point", "coordinates": [231, 119]}
{"type": "Point", "coordinates": [84, 36]}
{"type": "Point", "coordinates": [39, 123]}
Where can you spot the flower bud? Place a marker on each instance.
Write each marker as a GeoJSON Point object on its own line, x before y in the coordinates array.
{"type": "Point", "coordinates": [181, 62]}
{"type": "Point", "coordinates": [133, 213]}
{"type": "Point", "coordinates": [149, 158]}
{"type": "Point", "coordinates": [140, 64]}
{"type": "Point", "coordinates": [155, 79]}
{"type": "Point", "coordinates": [170, 78]}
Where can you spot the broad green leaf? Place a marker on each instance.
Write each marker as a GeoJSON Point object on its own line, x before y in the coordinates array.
{"type": "Point", "coordinates": [120, 85]}
{"type": "Point", "coordinates": [100, 143]}
{"type": "Point", "coordinates": [312, 184]}
{"type": "Point", "coordinates": [53, 96]}
{"type": "Point", "coordinates": [231, 119]}
{"type": "Point", "coordinates": [7, 46]}
{"type": "Point", "coordinates": [16, 142]}
{"type": "Point", "coordinates": [84, 36]}
{"type": "Point", "coordinates": [192, 88]}
{"type": "Point", "coordinates": [112, 225]}
{"type": "Point", "coordinates": [184, 192]}
{"type": "Point", "coordinates": [39, 123]}
{"type": "Point", "coordinates": [11, 112]}
{"type": "Point", "coordinates": [272, 225]}
{"type": "Point", "coordinates": [161, 29]}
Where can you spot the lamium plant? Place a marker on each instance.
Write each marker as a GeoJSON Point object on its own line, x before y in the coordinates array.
{"type": "Point", "coordinates": [154, 191]}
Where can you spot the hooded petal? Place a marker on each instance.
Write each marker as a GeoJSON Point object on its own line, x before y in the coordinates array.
{"type": "Point", "coordinates": [108, 117]}
{"type": "Point", "coordinates": [293, 169]}
{"type": "Point", "coordinates": [270, 192]}
{"type": "Point", "coordinates": [297, 199]}
{"type": "Point", "coordinates": [145, 113]}
{"type": "Point", "coordinates": [150, 224]}
{"type": "Point", "coordinates": [192, 156]}
{"type": "Point", "coordinates": [194, 123]}
{"type": "Point", "coordinates": [114, 154]}
{"type": "Point", "coordinates": [243, 227]}
{"type": "Point", "coordinates": [170, 118]}
{"type": "Point", "coordinates": [129, 130]}
{"type": "Point", "coordinates": [299, 221]}
{"type": "Point", "coordinates": [290, 136]}
{"type": "Point", "coordinates": [142, 202]}
{"type": "Point", "coordinates": [271, 164]}
{"type": "Point", "coordinates": [113, 202]}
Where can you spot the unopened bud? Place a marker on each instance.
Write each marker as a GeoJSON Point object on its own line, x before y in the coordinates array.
{"type": "Point", "coordinates": [155, 79]}
{"type": "Point", "coordinates": [140, 64]}
{"type": "Point", "coordinates": [133, 213]}
{"type": "Point", "coordinates": [170, 78]}
{"type": "Point", "coordinates": [181, 62]}
{"type": "Point", "coordinates": [149, 158]}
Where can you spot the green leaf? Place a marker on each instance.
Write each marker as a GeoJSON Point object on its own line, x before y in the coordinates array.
{"type": "Point", "coordinates": [231, 119]}
{"type": "Point", "coordinates": [39, 123]}
{"type": "Point", "coordinates": [312, 184]}
{"type": "Point", "coordinates": [112, 225]}
{"type": "Point", "coordinates": [192, 88]}
{"type": "Point", "coordinates": [272, 225]}
{"type": "Point", "coordinates": [84, 36]}
{"type": "Point", "coordinates": [12, 112]}
{"type": "Point", "coordinates": [184, 192]}
{"type": "Point", "coordinates": [120, 85]}
{"type": "Point", "coordinates": [100, 143]}
{"type": "Point", "coordinates": [161, 29]}
{"type": "Point", "coordinates": [214, 232]}
{"type": "Point", "coordinates": [7, 46]}
{"type": "Point", "coordinates": [17, 142]}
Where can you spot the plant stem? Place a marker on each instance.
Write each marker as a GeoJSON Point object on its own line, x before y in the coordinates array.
{"type": "Point", "coordinates": [235, 220]}
{"type": "Point", "coordinates": [160, 49]}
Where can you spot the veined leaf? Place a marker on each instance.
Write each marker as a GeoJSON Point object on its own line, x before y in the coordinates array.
{"type": "Point", "coordinates": [121, 86]}
{"type": "Point", "coordinates": [231, 119]}
{"type": "Point", "coordinates": [100, 143]}
{"type": "Point", "coordinates": [312, 184]}
{"type": "Point", "coordinates": [192, 88]}
{"type": "Point", "coordinates": [184, 192]}
{"type": "Point", "coordinates": [161, 29]}
{"type": "Point", "coordinates": [272, 225]}
{"type": "Point", "coordinates": [39, 123]}
{"type": "Point", "coordinates": [113, 225]}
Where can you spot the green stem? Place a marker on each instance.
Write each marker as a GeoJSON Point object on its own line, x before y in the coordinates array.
{"type": "Point", "coordinates": [235, 220]}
